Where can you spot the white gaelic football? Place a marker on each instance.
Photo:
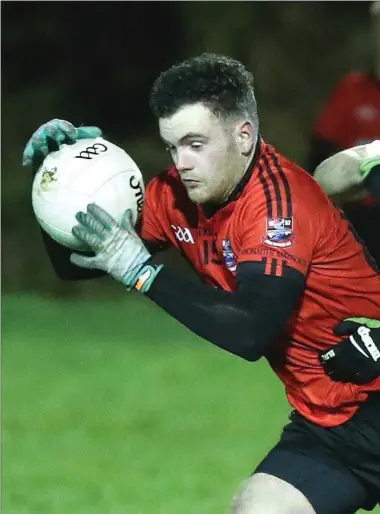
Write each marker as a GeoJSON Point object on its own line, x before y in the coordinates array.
{"type": "Point", "coordinates": [88, 171]}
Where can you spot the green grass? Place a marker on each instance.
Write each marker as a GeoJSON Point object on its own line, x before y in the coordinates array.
{"type": "Point", "coordinates": [111, 407]}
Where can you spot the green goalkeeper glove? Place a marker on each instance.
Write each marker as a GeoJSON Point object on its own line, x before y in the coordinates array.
{"type": "Point", "coordinates": [50, 136]}
{"type": "Point", "coordinates": [357, 358]}
{"type": "Point", "coordinates": [119, 251]}
{"type": "Point", "coordinates": [367, 165]}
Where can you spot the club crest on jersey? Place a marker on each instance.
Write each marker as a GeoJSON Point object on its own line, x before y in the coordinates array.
{"type": "Point", "coordinates": [279, 232]}
{"type": "Point", "coordinates": [228, 255]}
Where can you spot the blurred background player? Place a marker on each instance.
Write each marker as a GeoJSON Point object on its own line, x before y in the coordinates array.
{"type": "Point", "coordinates": [351, 117]}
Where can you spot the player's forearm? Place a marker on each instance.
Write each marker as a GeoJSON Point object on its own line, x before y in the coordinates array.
{"type": "Point", "coordinates": [242, 323]}
{"type": "Point", "coordinates": [351, 174]}
{"type": "Point", "coordinates": [59, 257]}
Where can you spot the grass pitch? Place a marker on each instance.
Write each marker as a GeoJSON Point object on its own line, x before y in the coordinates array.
{"type": "Point", "coordinates": [112, 407]}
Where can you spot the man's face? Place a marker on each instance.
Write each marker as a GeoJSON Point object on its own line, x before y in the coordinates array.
{"type": "Point", "coordinates": [205, 151]}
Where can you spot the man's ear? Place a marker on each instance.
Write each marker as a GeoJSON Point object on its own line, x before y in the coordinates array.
{"type": "Point", "coordinates": [246, 135]}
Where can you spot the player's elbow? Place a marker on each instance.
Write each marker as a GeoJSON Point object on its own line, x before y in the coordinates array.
{"type": "Point", "coordinates": [258, 339]}
{"type": "Point", "coordinates": [254, 351]}
{"type": "Point", "coordinates": [252, 355]}
{"type": "Point", "coordinates": [245, 346]}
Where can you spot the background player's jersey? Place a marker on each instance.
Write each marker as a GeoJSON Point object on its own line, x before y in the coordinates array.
{"type": "Point", "coordinates": [351, 117]}
{"type": "Point", "coordinates": [282, 222]}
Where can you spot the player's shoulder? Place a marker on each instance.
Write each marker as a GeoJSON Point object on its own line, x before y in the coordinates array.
{"type": "Point", "coordinates": [290, 175]}
{"type": "Point", "coordinates": [281, 182]}
{"type": "Point", "coordinates": [166, 189]}
{"type": "Point", "coordinates": [165, 182]}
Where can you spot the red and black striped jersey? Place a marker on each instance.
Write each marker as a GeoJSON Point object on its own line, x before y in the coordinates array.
{"type": "Point", "coordinates": [282, 222]}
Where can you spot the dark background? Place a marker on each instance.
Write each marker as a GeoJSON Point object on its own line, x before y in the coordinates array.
{"type": "Point", "coordinates": [93, 63]}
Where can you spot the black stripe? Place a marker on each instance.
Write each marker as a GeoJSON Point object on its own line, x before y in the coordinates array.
{"type": "Point", "coordinates": [273, 267]}
{"type": "Point", "coordinates": [293, 273]}
{"type": "Point", "coordinates": [276, 186]}
{"type": "Point", "coordinates": [256, 267]}
{"type": "Point", "coordinates": [265, 185]}
{"type": "Point", "coordinates": [285, 182]}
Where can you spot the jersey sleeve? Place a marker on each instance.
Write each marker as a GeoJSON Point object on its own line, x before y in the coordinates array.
{"type": "Point", "coordinates": [334, 120]}
{"type": "Point", "coordinates": [150, 228]}
{"type": "Point", "coordinates": [279, 240]}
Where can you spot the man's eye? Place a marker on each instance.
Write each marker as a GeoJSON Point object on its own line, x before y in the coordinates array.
{"type": "Point", "coordinates": [169, 148]}
{"type": "Point", "coordinates": [196, 145]}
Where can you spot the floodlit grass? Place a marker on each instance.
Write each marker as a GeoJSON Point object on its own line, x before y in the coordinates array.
{"type": "Point", "coordinates": [113, 408]}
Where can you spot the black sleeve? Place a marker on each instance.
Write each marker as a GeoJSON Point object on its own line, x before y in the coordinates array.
{"type": "Point", "coordinates": [60, 260]}
{"type": "Point", "coordinates": [246, 323]}
{"type": "Point", "coordinates": [319, 150]}
{"type": "Point", "coordinates": [372, 183]}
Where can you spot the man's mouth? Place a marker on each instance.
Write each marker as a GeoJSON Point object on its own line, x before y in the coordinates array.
{"type": "Point", "coordinates": [190, 182]}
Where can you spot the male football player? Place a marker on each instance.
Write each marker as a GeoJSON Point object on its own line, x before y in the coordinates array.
{"type": "Point", "coordinates": [350, 118]}
{"type": "Point", "coordinates": [280, 268]}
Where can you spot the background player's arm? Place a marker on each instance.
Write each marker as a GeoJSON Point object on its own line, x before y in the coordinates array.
{"type": "Point", "coordinates": [351, 174]}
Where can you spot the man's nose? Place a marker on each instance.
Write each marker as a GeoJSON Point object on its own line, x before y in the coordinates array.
{"type": "Point", "coordinates": [184, 162]}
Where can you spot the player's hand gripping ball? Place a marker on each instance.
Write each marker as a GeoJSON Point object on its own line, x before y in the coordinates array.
{"type": "Point", "coordinates": [118, 249]}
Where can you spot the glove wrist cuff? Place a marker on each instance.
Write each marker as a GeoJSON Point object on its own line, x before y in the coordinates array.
{"type": "Point", "coordinates": [146, 277]}
{"type": "Point", "coordinates": [367, 164]}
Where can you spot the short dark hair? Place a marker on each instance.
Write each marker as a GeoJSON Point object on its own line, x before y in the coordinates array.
{"type": "Point", "coordinates": [221, 83]}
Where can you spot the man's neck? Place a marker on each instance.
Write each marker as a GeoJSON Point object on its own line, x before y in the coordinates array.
{"type": "Point", "coordinates": [246, 161]}
{"type": "Point", "coordinates": [210, 209]}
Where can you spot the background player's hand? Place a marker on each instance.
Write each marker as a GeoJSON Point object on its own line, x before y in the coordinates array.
{"type": "Point", "coordinates": [50, 136]}
{"type": "Point", "coordinates": [357, 358]}
{"type": "Point", "coordinates": [118, 249]}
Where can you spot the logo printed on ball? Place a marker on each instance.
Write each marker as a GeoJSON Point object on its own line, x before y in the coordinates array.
{"type": "Point", "coordinates": [135, 184]}
{"type": "Point", "coordinates": [91, 151]}
{"type": "Point", "coordinates": [48, 177]}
